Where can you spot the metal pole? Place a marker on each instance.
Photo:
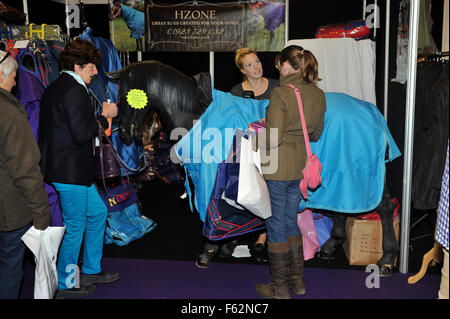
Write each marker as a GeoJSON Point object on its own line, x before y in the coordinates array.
{"type": "Point", "coordinates": [25, 10]}
{"type": "Point", "coordinates": [211, 65]}
{"type": "Point", "coordinates": [286, 21]}
{"type": "Point", "coordinates": [409, 134]}
{"type": "Point", "coordinates": [445, 28]}
{"type": "Point", "coordinates": [364, 9]}
{"type": "Point", "coordinates": [67, 19]}
{"type": "Point", "coordinates": [386, 59]}
{"type": "Point", "coordinates": [376, 18]}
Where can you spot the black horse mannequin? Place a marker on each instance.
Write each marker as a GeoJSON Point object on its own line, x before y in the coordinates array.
{"type": "Point", "coordinates": [179, 100]}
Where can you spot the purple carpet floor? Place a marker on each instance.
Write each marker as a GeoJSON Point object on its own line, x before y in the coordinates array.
{"type": "Point", "coordinates": [162, 279]}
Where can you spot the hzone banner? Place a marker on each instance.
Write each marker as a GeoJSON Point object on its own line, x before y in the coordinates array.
{"type": "Point", "coordinates": [203, 26]}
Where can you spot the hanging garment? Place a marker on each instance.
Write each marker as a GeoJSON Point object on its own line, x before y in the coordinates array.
{"type": "Point", "coordinates": [401, 74]}
{"type": "Point", "coordinates": [29, 89]}
{"type": "Point", "coordinates": [430, 133]}
{"type": "Point", "coordinates": [48, 66]}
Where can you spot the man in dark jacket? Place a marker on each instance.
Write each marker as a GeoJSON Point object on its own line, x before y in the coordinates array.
{"type": "Point", "coordinates": [23, 199]}
{"type": "Point", "coordinates": [67, 129]}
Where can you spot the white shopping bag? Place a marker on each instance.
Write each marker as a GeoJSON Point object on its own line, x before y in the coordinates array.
{"type": "Point", "coordinates": [45, 245]}
{"type": "Point", "coordinates": [253, 193]}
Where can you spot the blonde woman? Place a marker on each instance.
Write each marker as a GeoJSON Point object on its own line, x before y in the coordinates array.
{"type": "Point", "coordinates": [248, 63]}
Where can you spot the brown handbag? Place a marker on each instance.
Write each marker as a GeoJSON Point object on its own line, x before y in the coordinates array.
{"type": "Point", "coordinates": [108, 164]}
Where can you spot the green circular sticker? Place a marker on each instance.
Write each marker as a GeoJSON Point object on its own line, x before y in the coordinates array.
{"type": "Point", "coordinates": [137, 98]}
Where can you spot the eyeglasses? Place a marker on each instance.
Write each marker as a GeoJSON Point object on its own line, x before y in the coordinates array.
{"type": "Point", "coordinates": [5, 57]}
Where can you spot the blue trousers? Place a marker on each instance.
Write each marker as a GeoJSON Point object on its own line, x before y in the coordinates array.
{"type": "Point", "coordinates": [84, 214]}
{"type": "Point", "coordinates": [284, 198]}
{"type": "Point", "coordinates": [12, 249]}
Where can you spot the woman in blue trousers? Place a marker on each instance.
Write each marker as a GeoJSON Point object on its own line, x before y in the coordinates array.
{"type": "Point", "coordinates": [67, 129]}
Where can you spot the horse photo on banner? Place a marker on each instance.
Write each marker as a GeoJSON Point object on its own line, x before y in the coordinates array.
{"type": "Point", "coordinates": [127, 24]}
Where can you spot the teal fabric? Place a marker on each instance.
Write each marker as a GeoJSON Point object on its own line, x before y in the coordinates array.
{"type": "Point", "coordinates": [351, 149]}
{"type": "Point", "coordinates": [212, 136]}
{"type": "Point", "coordinates": [352, 152]}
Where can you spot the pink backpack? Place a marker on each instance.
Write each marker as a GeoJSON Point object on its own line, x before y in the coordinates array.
{"type": "Point", "coordinates": [311, 173]}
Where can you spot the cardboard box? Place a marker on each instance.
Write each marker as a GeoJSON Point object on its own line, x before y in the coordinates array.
{"type": "Point", "coordinates": [364, 241]}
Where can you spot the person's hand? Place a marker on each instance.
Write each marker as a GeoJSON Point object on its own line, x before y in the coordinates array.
{"type": "Point", "coordinates": [40, 227]}
{"type": "Point", "coordinates": [109, 110]}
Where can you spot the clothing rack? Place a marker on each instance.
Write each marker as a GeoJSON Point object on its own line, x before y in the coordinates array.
{"type": "Point", "coordinates": [32, 32]}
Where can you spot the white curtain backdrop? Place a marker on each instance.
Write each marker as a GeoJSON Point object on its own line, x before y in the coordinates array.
{"type": "Point", "coordinates": [345, 65]}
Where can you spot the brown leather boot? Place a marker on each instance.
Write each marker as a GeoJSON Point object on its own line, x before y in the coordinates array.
{"type": "Point", "coordinates": [278, 288]}
{"type": "Point", "coordinates": [296, 265]}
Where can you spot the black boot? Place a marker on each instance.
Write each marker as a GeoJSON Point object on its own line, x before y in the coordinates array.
{"type": "Point", "coordinates": [227, 249]}
{"type": "Point", "coordinates": [72, 293]}
{"type": "Point", "coordinates": [296, 265]}
{"type": "Point", "coordinates": [278, 288]}
{"type": "Point", "coordinates": [338, 236]}
{"type": "Point", "coordinates": [204, 259]}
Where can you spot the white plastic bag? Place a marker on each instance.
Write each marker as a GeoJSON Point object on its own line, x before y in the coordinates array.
{"type": "Point", "coordinates": [253, 193]}
{"type": "Point", "coordinates": [45, 245]}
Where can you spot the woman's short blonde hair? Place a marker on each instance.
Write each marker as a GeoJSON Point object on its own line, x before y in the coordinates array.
{"type": "Point", "coordinates": [240, 53]}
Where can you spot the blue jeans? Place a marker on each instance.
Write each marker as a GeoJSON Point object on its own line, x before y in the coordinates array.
{"type": "Point", "coordinates": [12, 249]}
{"type": "Point", "coordinates": [84, 214]}
{"type": "Point", "coordinates": [285, 198]}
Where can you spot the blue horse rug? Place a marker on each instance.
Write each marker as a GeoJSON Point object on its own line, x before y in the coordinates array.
{"type": "Point", "coordinates": [208, 142]}
{"type": "Point", "coordinates": [352, 150]}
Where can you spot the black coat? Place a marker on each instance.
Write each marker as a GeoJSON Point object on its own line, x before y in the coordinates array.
{"type": "Point", "coordinates": [67, 127]}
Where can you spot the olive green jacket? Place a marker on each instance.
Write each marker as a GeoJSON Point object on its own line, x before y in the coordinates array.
{"type": "Point", "coordinates": [23, 198]}
{"type": "Point", "coordinates": [284, 156]}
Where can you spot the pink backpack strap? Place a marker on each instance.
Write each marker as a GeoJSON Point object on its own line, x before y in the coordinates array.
{"type": "Point", "coordinates": [302, 116]}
